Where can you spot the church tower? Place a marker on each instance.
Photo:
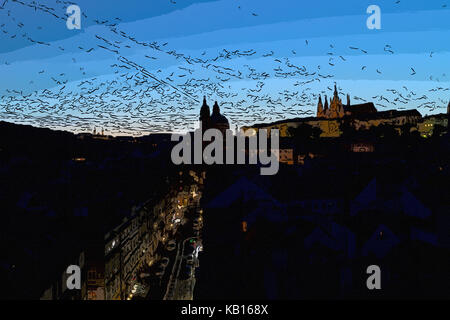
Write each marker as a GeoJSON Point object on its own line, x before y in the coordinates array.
{"type": "Point", "coordinates": [320, 108]}
{"type": "Point", "coordinates": [205, 115]}
{"type": "Point", "coordinates": [219, 121]}
{"type": "Point", "coordinates": [341, 111]}
{"type": "Point", "coordinates": [335, 104]}
{"type": "Point", "coordinates": [325, 109]}
{"type": "Point", "coordinates": [336, 94]}
{"type": "Point", "coordinates": [216, 109]}
{"type": "Point", "coordinates": [348, 100]}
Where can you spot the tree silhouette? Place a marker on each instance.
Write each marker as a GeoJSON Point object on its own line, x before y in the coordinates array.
{"type": "Point", "coordinates": [438, 130]}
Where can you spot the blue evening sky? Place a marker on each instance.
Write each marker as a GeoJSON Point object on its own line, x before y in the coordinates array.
{"type": "Point", "coordinates": [261, 60]}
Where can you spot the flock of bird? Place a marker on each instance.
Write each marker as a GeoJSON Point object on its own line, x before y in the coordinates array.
{"type": "Point", "coordinates": [137, 97]}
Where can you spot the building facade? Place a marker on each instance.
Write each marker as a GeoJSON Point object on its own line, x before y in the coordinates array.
{"type": "Point", "coordinates": [337, 110]}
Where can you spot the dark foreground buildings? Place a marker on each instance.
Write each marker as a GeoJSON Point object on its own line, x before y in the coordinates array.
{"type": "Point", "coordinates": [312, 230]}
{"type": "Point", "coordinates": [345, 198]}
{"type": "Point", "coordinates": [98, 202]}
{"type": "Point", "coordinates": [377, 193]}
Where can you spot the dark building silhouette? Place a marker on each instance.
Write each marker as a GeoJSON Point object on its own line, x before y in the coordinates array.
{"type": "Point", "coordinates": [205, 115]}
{"type": "Point", "coordinates": [212, 120]}
{"type": "Point", "coordinates": [448, 115]}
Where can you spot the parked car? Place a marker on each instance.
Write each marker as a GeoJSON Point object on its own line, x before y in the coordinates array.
{"type": "Point", "coordinates": [171, 245]}
{"type": "Point", "coordinates": [190, 260]}
{"type": "Point", "coordinates": [185, 271]}
{"type": "Point", "coordinates": [164, 262]}
{"type": "Point", "coordinates": [189, 248]}
{"type": "Point", "coordinates": [198, 219]}
{"type": "Point", "coordinates": [160, 271]}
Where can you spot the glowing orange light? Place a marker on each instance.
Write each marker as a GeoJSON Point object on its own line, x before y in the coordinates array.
{"type": "Point", "coordinates": [244, 226]}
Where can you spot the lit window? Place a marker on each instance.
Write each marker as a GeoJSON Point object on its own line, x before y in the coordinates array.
{"type": "Point", "coordinates": [244, 226]}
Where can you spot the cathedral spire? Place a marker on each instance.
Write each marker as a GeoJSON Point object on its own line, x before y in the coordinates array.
{"type": "Point", "coordinates": [320, 108]}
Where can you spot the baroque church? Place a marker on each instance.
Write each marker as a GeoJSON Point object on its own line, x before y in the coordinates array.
{"type": "Point", "coordinates": [214, 120]}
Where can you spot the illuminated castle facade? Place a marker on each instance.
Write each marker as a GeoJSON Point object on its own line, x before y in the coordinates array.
{"type": "Point", "coordinates": [335, 109]}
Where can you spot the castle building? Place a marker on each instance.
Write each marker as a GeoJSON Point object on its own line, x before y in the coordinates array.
{"type": "Point", "coordinates": [338, 110]}
{"type": "Point", "coordinates": [320, 107]}
{"type": "Point", "coordinates": [214, 120]}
